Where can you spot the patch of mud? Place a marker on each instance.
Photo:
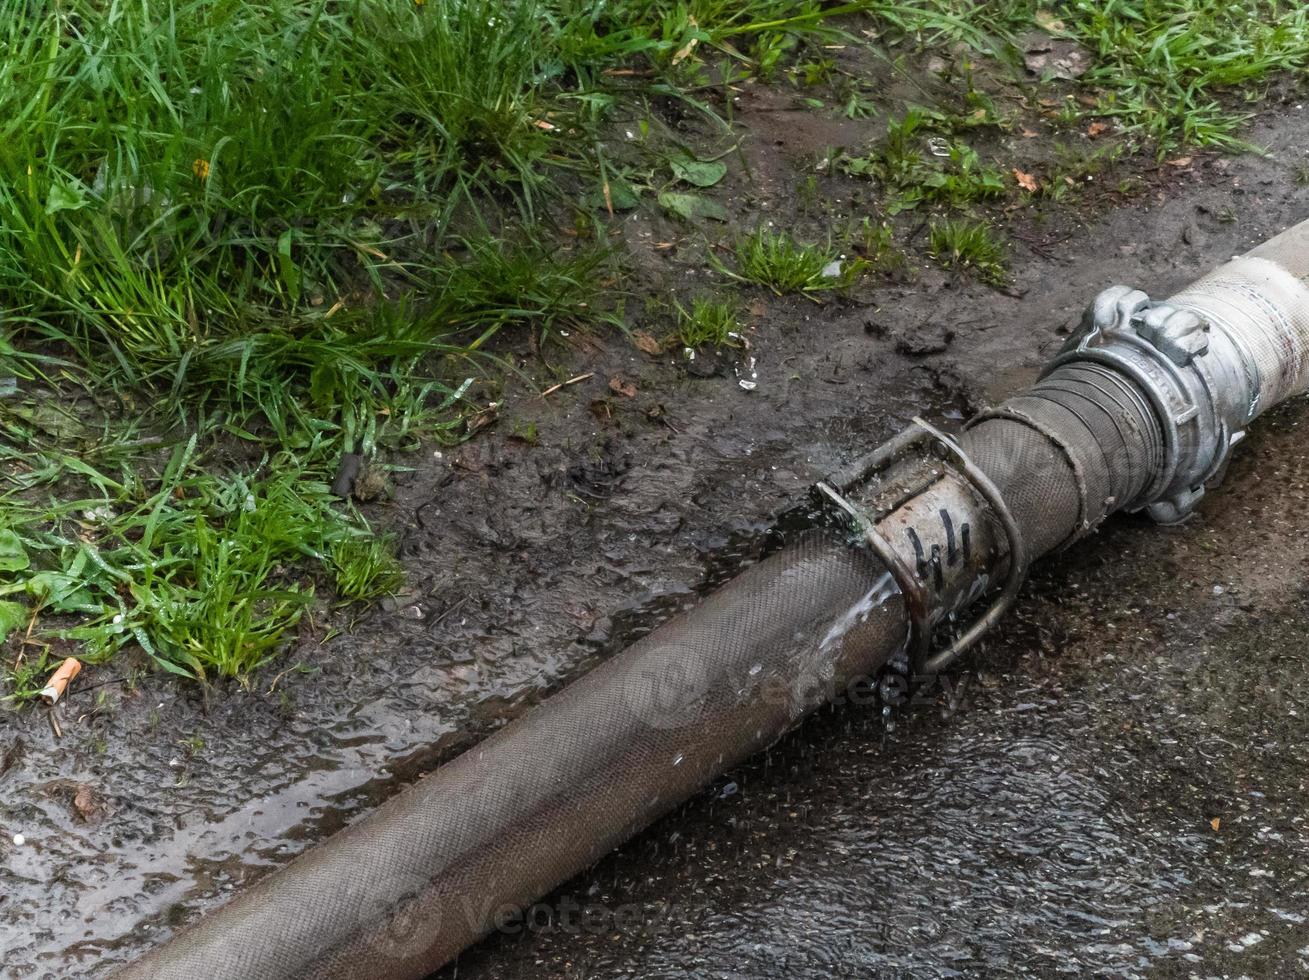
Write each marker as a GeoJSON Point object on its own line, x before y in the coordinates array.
{"type": "Point", "coordinates": [1051, 821]}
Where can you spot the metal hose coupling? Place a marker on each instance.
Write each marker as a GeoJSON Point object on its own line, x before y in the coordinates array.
{"type": "Point", "coordinates": [1209, 360]}
{"type": "Point", "coordinates": [1140, 411]}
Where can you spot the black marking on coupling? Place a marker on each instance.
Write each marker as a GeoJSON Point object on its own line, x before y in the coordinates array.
{"type": "Point", "coordinates": [951, 547]}
{"type": "Point", "coordinates": [966, 534]}
{"type": "Point", "coordinates": [927, 564]}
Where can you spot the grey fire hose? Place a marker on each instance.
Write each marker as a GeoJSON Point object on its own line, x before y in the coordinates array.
{"type": "Point", "coordinates": [1140, 412]}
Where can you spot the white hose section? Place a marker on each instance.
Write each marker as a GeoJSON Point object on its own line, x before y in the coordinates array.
{"type": "Point", "coordinates": [1263, 310]}
{"type": "Point", "coordinates": [1290, 250]}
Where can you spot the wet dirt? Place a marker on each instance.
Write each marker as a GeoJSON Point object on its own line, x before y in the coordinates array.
{"type": "Point", "coordinates": [1054, 812]}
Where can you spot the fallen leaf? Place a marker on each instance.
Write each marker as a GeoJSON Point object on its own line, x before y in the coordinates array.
{"type": "Point", "coordinates": [701, 173]}
{"type": "Point", "coordinates": [615, 195]}
{"type": "Point", "coordinates": [1026, 181]}
{"type": "Point", "coordinates": [1030, 133]}
{"type": "Point", "coordinates": [1097, 129]}
{"type": "Point", "coordinates": [480, 421]}
{"type": "Point", "coordinates": [87, 803]}
{"type": "Point", "coordinates": [1216, 822]}
{"type": "Point", "coordinates": [689, 206]}
{"type": "Point", "coordinates": [758, 308]}
{"type": "Point", "coordinates": [645, 342]}
{"type": "Point", "coordinates": [1047, 21]}
{"type": "Point", "coordinates": [13, 615]}
{"type": "Point", "coordinates": [1180, 162]}
{"type": "Point", "coordinates": [685, 50]}
{"type": "Point", "coordinates": [620, 387]}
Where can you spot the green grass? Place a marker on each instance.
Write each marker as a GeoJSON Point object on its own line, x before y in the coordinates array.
{"type": "Point", "coordinates": [365, 567]}
{"type": "Point", "coordinates": [207, 572]}
{"type": "Point", "coordinates": [877, 241]}
{"type": "Point", "coordinates": [267, 232]}
{"type": "Point", "coordinates": [776, 260]}
{"type": "Point", "coordinates": [969, 246]}
{"type": "Point", "coordinates": [1166, 64]}
{"type": "Point", "coordinates": [708, 323]}
{"type": "Point", "coordinates": [295, 225]}
{"type": "Point", "coordinates": [912, 174]}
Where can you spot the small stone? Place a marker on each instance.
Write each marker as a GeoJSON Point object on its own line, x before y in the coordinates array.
{"type": "Point", "coordinates": [19, 840]}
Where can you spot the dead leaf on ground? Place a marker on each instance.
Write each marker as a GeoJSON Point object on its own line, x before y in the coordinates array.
{"type": "Point", "coordinates": [1180, 162]}
{"type": "Point", "coordinates": [685, 50]}
{"type": "Point", "coordinates": [1216, 822]}
{"type": "Point", "coordinates": [1097, 129]}
{"type": "Point", "coordinates": [1026, 181]}
{"type": "Point", "coordinates": [758, 308]}
{"type": "Point", "coordinates": [88, 804]}
{"type": "Point", "coordinates": [1030, 133]}
{"type": "Point", "coordinates": [620, 387]}
{"type": "Point", "coordinates": [1047, 20]}
{"type": "Point", "coordinates": [647, 343]}
{"type": "Point", "coordinates": [480, 421]}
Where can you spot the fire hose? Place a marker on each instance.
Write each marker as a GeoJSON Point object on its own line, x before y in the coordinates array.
{"type": "Point", "coordinates": [1140, 412]}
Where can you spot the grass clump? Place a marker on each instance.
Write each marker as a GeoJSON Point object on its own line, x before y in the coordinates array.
{"type": "Point", "coordinates": [365, 567]}
{"type": "Point", "coordinates": [1167, 64]}
{"type": "Point", "coordinates": [877, 240]}
{"type": "Point", "coordinates": [776, 260]}
{"type": "Point", "coordinates": [708, 323]}
{"type": "Point", "coordinates": [969, 246]}
{"type": "Point", "coordinates": [951, 175]}
{"type": "Point", "coordinates": [208, 573]}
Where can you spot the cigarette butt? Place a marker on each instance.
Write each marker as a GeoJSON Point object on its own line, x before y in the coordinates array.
{"type": "Point", "coordinates": [60, 679]}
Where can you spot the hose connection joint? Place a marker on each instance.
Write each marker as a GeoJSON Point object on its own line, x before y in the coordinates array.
{"type": "Point", "coordinates": [1186, 371]}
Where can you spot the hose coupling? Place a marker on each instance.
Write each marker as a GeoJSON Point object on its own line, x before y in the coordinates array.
{"type": "Point", "coordinates": [1186, 372]}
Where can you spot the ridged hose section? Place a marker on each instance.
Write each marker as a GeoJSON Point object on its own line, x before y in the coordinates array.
{"type": "Point", "coordinates": [1078, 446]}
{"type": "Point", "coordinates": [1262, 309]}
{"type": "Point", "coordinates": [404, 890]}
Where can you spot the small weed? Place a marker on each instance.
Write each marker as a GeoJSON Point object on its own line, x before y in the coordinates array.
{"type": "Point", "coordinates": [877, 240]}
{"type": "Point", "coordinates": [1075, 166]}
{"type": "Point", "coordinates": [525, 431]}
{"type": "Point", "coordinates": [1302, 175]}
{"type": "Point", "coordinates": [708, 323]}
{"type": "Point", "coordinates": [969, 246]}
{"type": "Point", "coordinates": [778, 261]}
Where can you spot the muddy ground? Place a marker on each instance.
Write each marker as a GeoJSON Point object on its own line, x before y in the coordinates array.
{"type": "Point", "coordinates": [1114, 786]}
